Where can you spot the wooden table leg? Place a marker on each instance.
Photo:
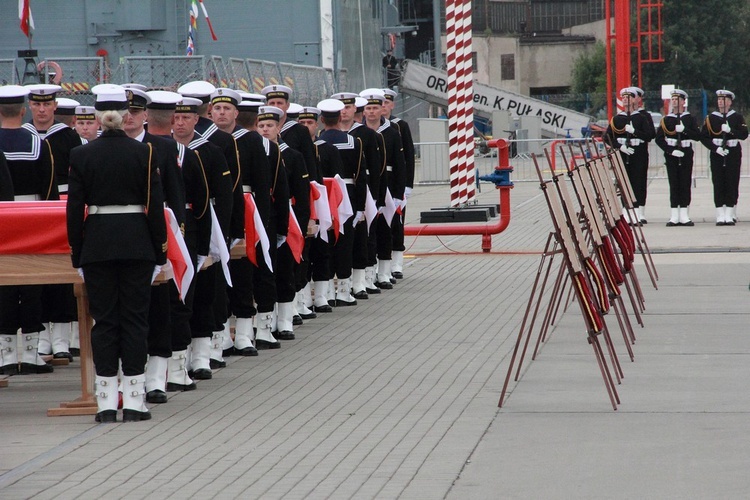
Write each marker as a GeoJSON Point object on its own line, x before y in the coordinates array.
{"type": "Point", "coordinates": [86, 404]}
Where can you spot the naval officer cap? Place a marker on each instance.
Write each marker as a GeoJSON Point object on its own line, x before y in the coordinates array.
{"type": "Point", "coordinates": [66, 107]}
{"type": "Point", "coordinates": [389, 94]}
{"type": "Point", "coordinates": [137, 98]}
{"type": "Point", "coordinates": [638, 91]}
{"type": "Point", "coordinates": [269, 113]}
{"type": "Point", "coordinates": [43, 92]}
{"type": "Point", "coordinates": [13, 94]}
{"type": "Point", "coordinates": [277, 91]}
{"type": "Point", "coordinates": [373, 96]}
{"type": "Point", "coordinates": [113, 97]}
{"type": "Point", "coordinates": [251, 102]}
{"type": "Point", "coordinates": [345, 97]}
{"type": "Point", "coordinates": [330, 108]}
{"type": "Point", "coordinates": [163, 99]}
{"type": "Point", "coordinates": [198, 89]}
{"type": "Point", "coordinates": [725, 93]}
{"type": "Point", "coordinates": [226, 95]}
{"type": "Point", "coordinates": [293, 111]}
{"type": "Point", "coordinates": [627, 91]}
{"type": "Point", "coordinates": [309, 113]}
{"type": "Point", "coordinates": [138, 86]}
{"type": "Point", "coordinates": [188, 105]}
{"type": "Point", "coordinates": [360, 103]}
{"type": "Point", "coordinates": [679, 93]}
{"type": "Point", "coordinates": [85, 112]}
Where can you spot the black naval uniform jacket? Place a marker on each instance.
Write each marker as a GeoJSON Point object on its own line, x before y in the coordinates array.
{"type": "Point", "coordinates": [197, 201]}
{"type": "Point", "coordinates": [297, 137]}
{"type": "Point", "coordinates": [669, 140]}
{"type": "Point", "coordinates": [638, 140]}
{"type": "Point", "coordinates": [115, 170]}
{"type": "Point", "coordinates": [713, 138]}
{"type": "Point", "coordinates": [409, 152]}
{"type": "Point", "coordinates": [255, 175]}
{"type": "Point", "coordinates": [165, 156]}
{"type": "Point", "coordinates": [6, 183]}
{"type": "Point", "coordinates": [299, 184]}
{"type": "Point", "coordinates": [395, 178]}
{"type": "Point", "coordinates": [371, 146]}
{"type": "Point", "coordinates": [30, 163]}
{"type": "Point", "coordinates": [61, 139]}
{"type": "Point", "coordinates": [352, 161]}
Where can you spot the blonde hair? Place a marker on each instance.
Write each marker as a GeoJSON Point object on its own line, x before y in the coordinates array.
{"type": "Point", "coordinates": [110, 119]}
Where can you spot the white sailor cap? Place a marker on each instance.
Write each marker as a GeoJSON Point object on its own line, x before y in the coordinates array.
{"type": "Point", "coordinates": [627, 91]}
{"type": "Point", "coordinates": [198, 89]}
{"type": "Point", "coordinates": [105, 88]}
{"type": "Point", "coordinates": [112, 98]}
{"type": "Point", "coordinates": [679, 93]}
{"type": "Point", "coordinates": [293, 110]}
{"type": "Point", "coordinates": [66, 107]}
{"type": "Point", "coordinates": [13, 94]}
{"type": "Point", "coordinates": [137, 98]}
{"type": "Point", "coordinates": [163, 99]}
{"type": "Point", "coordinates": [373, 96]}
{"type": "Point", "coordinates": [269, 113]}
{"type": "Point", "coordinates": [360, 103]}
{"type": "Point", "coordinates": [725, 93]}
{"type": "Point", "coordinates": [85, 112]}
{"type": "Point", "coordinates": [250, 102]}
{"type": "Point", "coordinates": [309, 113]}
{"type": "Point", "coordinates": [389, 94]}
{"type": "Point", "coordinates": [275, 91]}
{"type": "Point", "coordinates": [345, 97]}
{"type": "Point", "coordinates": [330, 108]}
{"type": "Point", "coordinates": [188, 105]}
{"type": "Point", "coordinates": [137, 86]}
{"type": "Point", "coordinates": [638, 91]}
{"type": "Point", "coordinates": [43, 92]}
{"type": "Point", "coordinates": [226, 95]}
{"type": "Point", "coordinates": [248, 96]}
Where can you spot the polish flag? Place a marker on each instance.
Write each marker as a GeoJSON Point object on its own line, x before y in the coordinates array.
{"type": "Point", "coordinates": [24, 14]}
{"type": "Point", "coordinates": [335, 199]}
{"type": "Point", "coordinates": [294, 238]}
{"type": "Point", "coordinates": [322, 209]}
{"type": "Point", "coordinates": [345, 208]}
{"type": "Point", "coordinates": [255, 233]}
{"type": "Point", "coordinates": [218, 247]}
{"type": "Point", "coordinates": [371, 210]}
{"type": "Point", "coordinates": [178, 257]}
{"type": "Point", "coordinates": [389, 210]}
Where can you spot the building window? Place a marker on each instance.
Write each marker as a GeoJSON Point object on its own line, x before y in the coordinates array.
{"type": "Point", "coordinates": [508, 67]}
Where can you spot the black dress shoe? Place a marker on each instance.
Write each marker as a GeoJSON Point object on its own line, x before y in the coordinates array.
{"type": "Point", "coordinates": [30, 369]}
{"type": "Point", "coordinates": [106, 417]}
{"type": "Point", "coordinates": [673, 224]}
{"type": "Point", "coordinates": [172, 387]}
{"type": "Point", "coordinates": [688, 223]}
{"type": "Point", "coordinates": [398, 275]}
{"type": "Point", "coordinates": [264, 344]}
{"type": "Point", "coordinates": [215, 363]}
{"type": "Point", "coordinates": [228, 352]}
{"type": "Point", "coordinates": [392, 280]}
{"type": "Point", "coordinates": [343, 303]}
{"type": "Point", "coordinates": [721, 223]}
{"type": "Point", "coordinates": [360, 295]}
{"type": "Point", "coordinates": [129, 415]}
{"type": "Point", "coordinates": [297, 320]}
{"type": "Point", "coordinates": [247, 351]}
{"type": "Point", "coordinates": [9, 370]}
{"type": "Point", "coordinates": [323, 309]}
{"type": "Point", "coordinates": [63, 355]}
{"type": "Point", "coordinates": [332, 303]}
{"type": "Point", "coordinates": [312, 315]}
{"type": "Point", "coordinates": [75, 352]}
{"type": "Point", "coordinates": [202, 374]}
{"type": "Point", "coordinates": [644, 221]}
{"type": "Point", "coordinates": [284, 335]}
{"type": "Point", "coordinates": [384, 285]}
{"type": "Point", "coordinates": [372, 291]}
{"type": "Point", "coordinates": [156, 396]}
{"type": "Point", "coordinates": [729, 223]}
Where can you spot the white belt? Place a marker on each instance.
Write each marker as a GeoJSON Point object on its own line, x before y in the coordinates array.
{"type": "Point", "coordinates": [671, 142]}
{"type": "Point", "coordinates": [116, 209]}
{"type": "Point", "coordinates": [622, 140]}
{"type": "Point", "coordinates": [247, 189]}
{"type": "Point", "coordinates": [718, 142]}
{"type": "Point", "coordinates": [26, 197]}
{"type": "Point", "coordinates": [732, 143]}
{"type": "Point", "coordinates": [687, 143]}
{"type": "Point", "coordinates": [348, 181]}
{"type": "Point", "coordinates": [62, 188]}
{"type": "Point", "coordinates": [636, 142]}
{"type": "Point", "coordinates": [389, 168]}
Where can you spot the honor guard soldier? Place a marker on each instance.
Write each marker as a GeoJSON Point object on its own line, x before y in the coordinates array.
{"type": "Point", "coordinates": [721, 134]}
{"type": "Point", "coordinates": [629, 131]}
{"type": "Point", "coordinates": [674, 136]}
{"type": "Point", "coordinates": [355, 178]}
{"type": "Point", "coordinates": [364, 257]}
{"type": "Point", "coordinates": [211, 158]}
{"type": "Point", "coordinates": [59, 310]}
{"type": "Point", "coordinates": [292, 133]}
{"type": "Point", "coordinates": [119, 248]}
{"type": "Point", "coordinates": [397, 264]}
{"type": "Point", "coordinates": [392, 189]}
{"type": "Point", "coordinates": [86, 125]}
{"type": "Point", "coordinates": [256, 180]}
{"type": "Point", "coordinates": [30, 165]}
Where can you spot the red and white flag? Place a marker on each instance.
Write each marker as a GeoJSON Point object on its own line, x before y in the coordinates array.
{"type": "Point", "coordinates": [335, 199]}
{"type": "Point", "coordinates": [371, 210]}
{"type": "Point", "coordinates": [345, 208]}
{"type": "Point", "coordinates": [179, 264]}
{"type": "Point", "coordinates": [389, 210]}
{"type": "Point", "coordinates": [294, 237]}
{"type": "Point", "coordinates": [322, 210]}
{"type": "Point", "coordinates": [255, 233]}
{"type": "Point", "coordinates": [218, 247]}
{"type": "Point", "coordinates": [24, 15]}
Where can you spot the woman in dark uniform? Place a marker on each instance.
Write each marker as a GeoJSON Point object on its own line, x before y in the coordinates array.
{"type": "Point", "coordinates": [120, 247]}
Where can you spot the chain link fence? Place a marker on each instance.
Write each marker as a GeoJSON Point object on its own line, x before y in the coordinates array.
{"type": "Point", "coordinates": [7, 71]}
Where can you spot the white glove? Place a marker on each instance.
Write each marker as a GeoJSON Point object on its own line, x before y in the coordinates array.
{"type": "Point", "coordinates": [157, 270]}
{"type": "Point", "coordinates": [677, 153]}
{"type": "Point", "coordinates": [380, 210]}
{"type": "Point", "coordinates": [726, 128]}
{"type": "Point", "coordinates": [234, 242]}
{"type": "Point", "coordinates": [280, 239]}
{"type": "Point", "coordinates": [629, 129]}
{"type": "Point", "coordinates": [399, 203]}
{"type": "Point", "coordinates": [625, 149]}
{"type": "Point", "coordinates": [80, 273]}
{"type": "Point", "coordinates": [679, 127]}
{"type": "Point", "coordinates": [722, 151]}
{"type": "Point", "coordinates": [407, 192]}
{"type": "Point", "coordinates": [201, 260]}
{"type": "Point", "coordinates": [359, 217]}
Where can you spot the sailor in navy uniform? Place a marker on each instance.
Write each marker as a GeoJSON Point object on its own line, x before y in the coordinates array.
{"type": "Point", "coordinates": [397, 263]}
{"type": "Point", "coordinates": [675, 137]}
{"type": "Point", "coordinates": [6, 183]}
{"type": "Point", "coordinates": [120, 247]}
{"type": "Point", "coordinates": [86, 125]}
{"type": "Point", "coordinates": [59, 310]}
{"type": "Point", "coordinates": [31, 168]}
{"type": "Point", "coordinates": [394, 181]}
{"type": "Point", "coordinates": [355, 178]}
{"type": "Point", "coordinates": [629, 132]}
{"type": "Point", "coordinates": [219, 180]}
{"type": "Point", "coordinates": [721, 134]}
